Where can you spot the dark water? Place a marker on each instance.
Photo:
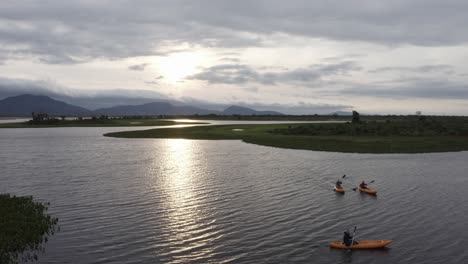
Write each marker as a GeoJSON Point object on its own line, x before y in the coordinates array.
{"type": "Point", "coordinates": [183, 201]}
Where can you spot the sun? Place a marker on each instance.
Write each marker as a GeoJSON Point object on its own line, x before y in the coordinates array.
{"type": "Point", "coordinates": [176, 67]}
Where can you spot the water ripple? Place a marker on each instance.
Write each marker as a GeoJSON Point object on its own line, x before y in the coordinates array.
{"type": "Point", "coordinates": [182, 201]}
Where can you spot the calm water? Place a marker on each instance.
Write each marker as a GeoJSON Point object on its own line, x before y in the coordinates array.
{"type": "Point", "coordinates": [184, 201]}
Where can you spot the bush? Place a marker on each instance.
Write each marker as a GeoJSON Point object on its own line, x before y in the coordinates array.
{"type": "Point", "coordinates": [24, 227]}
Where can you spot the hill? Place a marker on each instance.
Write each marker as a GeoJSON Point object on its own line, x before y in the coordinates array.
{"type": "Point", "coordinates": [341, 113]}
{"type": "Point", "coordinates": [155, 108]}
{"type": "Point", "coordinates": [24, 105]}
{"type": "Point", "coordinates": [239, 110]}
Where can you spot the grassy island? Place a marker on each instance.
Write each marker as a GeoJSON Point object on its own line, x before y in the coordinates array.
{"type": "Point", "coordinates": [24, 227]}
{"type": "Point", "coordinates": [97, 122]}
{"type": "Point", "coordinates": [410, 135]}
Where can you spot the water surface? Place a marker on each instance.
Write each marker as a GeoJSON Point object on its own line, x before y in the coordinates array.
{"type": "Point", "coordinates": [181, 201]}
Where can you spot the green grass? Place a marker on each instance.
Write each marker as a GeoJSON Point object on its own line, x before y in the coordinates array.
{"type": "Point", "coordinates": [262, 135]}
{"type": "Point", "coordinates": [97, 123]}
{"type": "Point", "coordinates": [24, 227]}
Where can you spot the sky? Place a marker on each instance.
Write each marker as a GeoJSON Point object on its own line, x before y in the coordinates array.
{"type": "Point", "coordinates": [295, 56]}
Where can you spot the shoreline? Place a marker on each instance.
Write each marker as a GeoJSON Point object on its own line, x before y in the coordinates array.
{"type": "Point", "coordinates": [99, 123]}
{"type": "Point", "coordinates": [261, 135]}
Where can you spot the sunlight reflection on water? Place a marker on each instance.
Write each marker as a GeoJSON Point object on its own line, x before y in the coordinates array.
{"type": "Point", "coordinates": [185, 214]}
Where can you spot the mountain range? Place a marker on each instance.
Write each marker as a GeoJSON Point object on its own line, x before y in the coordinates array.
{"type": "Point", "coordinates": [24, 105]}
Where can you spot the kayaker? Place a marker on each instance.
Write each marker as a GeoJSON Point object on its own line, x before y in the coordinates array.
{"type": "Point", "coordinates": [338, 184]}
{"type": "Point", "coordinates": [347, 238]}
{"type": "Point", "coordinates": [363, 185]}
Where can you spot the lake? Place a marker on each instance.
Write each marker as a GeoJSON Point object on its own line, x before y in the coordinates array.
{"type": "Point", "coordinates": [195, 201]}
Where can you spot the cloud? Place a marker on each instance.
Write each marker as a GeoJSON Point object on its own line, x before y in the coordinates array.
{"type": "Point", "coordinates": [411, 88]}
{"type": "Point", "coordinates": [438, 68]}
{"type": "Point", "coordinates": [90, 99]}
{"type": "Point", "coordinates": [251, 89]}
{"type": "Point", "coordinates": [138, 67]}
{"type": "Point", "coordinates": [76, 31]}
{"type": "Point", "coordinates": [299, 108]}
{"type": "Point", "coordinates": [227, 74]}
{"type": "Point", "coordinates": [12, 87]}
{"type": "Point", "coordinates": [108, 98]}
{"type": "Point", "coordinates": [243, 74]}
{"type": "Point", "coordinates": [234, 60]}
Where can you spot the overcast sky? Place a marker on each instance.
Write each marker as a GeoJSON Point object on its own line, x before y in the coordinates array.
{"type": "Point", "coordinates": [395, 56]}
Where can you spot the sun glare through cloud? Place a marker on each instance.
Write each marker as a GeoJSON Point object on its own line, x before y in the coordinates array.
{"type": "Point", "coordinates": [175, 67]}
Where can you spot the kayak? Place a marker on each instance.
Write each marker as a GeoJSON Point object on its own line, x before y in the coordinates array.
{"type": "Point", "coordinates": [339, 190]}
{"type": "Point", "coordinates": [369, 191]}
{"type": "Point", "coordinates": [362, 244]}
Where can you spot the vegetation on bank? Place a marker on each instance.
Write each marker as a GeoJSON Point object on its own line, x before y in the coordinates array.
{"type": "Point", "coordinates": [24, 228]}
{"type": "Point", "coordinates": [415, 127]}
{"type": "Point", "coordinates": [262, 117]}
{"type": "Point", "coordinates": [411, 135]}
{"type": "Point", "coordinates": [102, 121]}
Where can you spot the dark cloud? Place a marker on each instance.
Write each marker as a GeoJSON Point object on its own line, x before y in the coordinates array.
{"type": "Point", "coordinates": [76, 31]}
{"type": "Point", "coordinates": [242, 74]}
{"type": "Point", "coordinates": [138, 67]}
{"type": "Point", "coordinates": [227, 73]}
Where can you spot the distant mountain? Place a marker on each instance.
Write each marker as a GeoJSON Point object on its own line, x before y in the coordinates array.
{"type": "Point", "coordinates": [165, 108]}
{"type": "Point", "coordinates": [239, 110]}
{"type": "Point", "coordinates": [24, 105]}
{"type": "Point", "coordinates": [155, 108]}
{"type": "Point", "coordinates": [342, 113]}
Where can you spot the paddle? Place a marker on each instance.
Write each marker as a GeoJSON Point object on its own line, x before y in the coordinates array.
{"type": "Point", "coordinates": [354, 233]}
{"type": "Point", "coordinates": [354, 189]}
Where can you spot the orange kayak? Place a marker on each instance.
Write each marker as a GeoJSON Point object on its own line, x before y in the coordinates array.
{"type": "Point", "coordinates": [369, 191]}
{"type": "Point", "coordinates": [362, 244]}
{"type": "Point", "coordinates": [339, 190]}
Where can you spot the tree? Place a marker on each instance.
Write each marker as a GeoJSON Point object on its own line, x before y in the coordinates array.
{"type": "Point", "coordinates": [356, 118]}
{"type": "Point", "coordinates": [39, 117]}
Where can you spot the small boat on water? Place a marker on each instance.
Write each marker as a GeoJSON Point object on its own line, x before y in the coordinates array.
{"type": "Point", "coordinates": [362, 244]}
{"type": "Point", "coordinates": [367, 190]}
{"type": "Point", "coordinates": [339, 190]}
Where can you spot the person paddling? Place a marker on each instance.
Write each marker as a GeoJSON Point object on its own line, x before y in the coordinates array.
{"type": "Point", "coordinates": [348, 238]}
{"type": "Point", "coordinates": [363, 185]}
{"type": "Point", "coordinates": [338, 184]}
